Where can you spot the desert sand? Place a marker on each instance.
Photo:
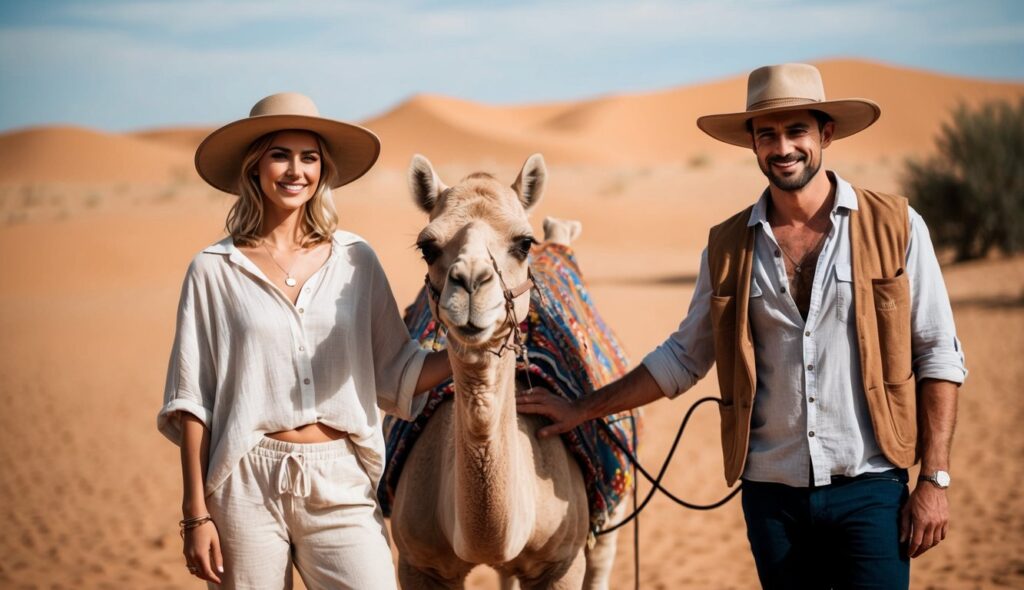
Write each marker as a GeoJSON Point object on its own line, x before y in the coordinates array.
{"type": "Point", "coordinates": [96, 230]}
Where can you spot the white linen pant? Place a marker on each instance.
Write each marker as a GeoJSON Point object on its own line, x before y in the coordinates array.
{"type": "Point", "coordinates": [311, 504]}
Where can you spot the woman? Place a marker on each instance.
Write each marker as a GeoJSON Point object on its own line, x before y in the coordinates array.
{"type": "Point", "coordinates": [288, 340]}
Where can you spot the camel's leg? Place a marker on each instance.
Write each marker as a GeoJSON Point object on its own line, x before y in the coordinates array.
{"type": "Point", "coordinates": [411, 578]}
{"type": "Point", "coordinates": [601, 558]}
{"type": "Point", "coordinates": [567, 575]}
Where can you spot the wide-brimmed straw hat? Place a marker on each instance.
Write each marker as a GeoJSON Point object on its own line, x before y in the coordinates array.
{"type": "Point", "coordinates": [789, 87]}
{"type": "Point", "coordinates": [353, 149]}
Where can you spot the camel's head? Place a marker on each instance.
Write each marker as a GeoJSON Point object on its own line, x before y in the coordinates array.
{"type": "Point", "coordinates": [470, 223]}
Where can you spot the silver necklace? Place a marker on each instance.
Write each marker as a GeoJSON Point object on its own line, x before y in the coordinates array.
{"type": "Point", "coordinates": [797, 266]}
{"type": "Point", "coordinates": [288, 278]}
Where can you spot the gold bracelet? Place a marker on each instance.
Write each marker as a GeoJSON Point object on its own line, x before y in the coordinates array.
{"type": "Point", "coordinates": [186, 521]}
{"type": "Point", "coordinates": [191, 523]}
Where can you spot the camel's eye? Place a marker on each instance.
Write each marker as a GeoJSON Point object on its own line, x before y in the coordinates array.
{"type": "Point", "coordinates": [429, 250]}
{"type": "Point", "coordinates": [521, 247]}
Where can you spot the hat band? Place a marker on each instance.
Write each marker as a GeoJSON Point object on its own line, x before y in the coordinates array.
{"type": "Point", "coordinates": [772, 103]}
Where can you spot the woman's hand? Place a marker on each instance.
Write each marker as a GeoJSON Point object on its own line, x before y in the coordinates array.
{"type": "Point", "coordinates": [564, 415]}
{"type": "Point", "coordinates": [202, 543]}
{"type": "Point", "coordinates": [202, 552]}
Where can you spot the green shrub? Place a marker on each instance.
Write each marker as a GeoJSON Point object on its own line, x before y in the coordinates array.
{"type": "Point", "coordinates": [972, 192]}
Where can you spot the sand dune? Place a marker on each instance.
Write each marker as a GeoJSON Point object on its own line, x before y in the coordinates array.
{"type": "Point", "coordinates": [642, 129]}
{"type": "Point", "coordinates": [74, 154]}
{"type": "Point", "coordinates": [913, 102]}
{"type": "Point", "coordinates": [187, 138]}
{"type": "Point", "coordinates": [460, 132]}
{"type": "Point", "coordinates": [658, 127]}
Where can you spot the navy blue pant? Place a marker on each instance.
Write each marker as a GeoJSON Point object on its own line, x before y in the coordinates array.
{"type": "Point", "coordinates": [844, 535]}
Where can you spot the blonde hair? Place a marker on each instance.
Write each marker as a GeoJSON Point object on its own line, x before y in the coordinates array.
{"type": "Point", "coordinates": [245, 219]}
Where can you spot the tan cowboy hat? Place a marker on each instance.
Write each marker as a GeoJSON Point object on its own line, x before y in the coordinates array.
{"type": "Point", "coordinates": [789, 87]}
{"type": "Point", "coordinates": [352, 148]}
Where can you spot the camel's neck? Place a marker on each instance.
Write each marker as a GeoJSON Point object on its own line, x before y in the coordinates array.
{"type": "Point", "coordinates": [492, 503]}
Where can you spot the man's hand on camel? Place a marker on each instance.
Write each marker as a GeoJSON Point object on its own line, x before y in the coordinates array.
{"type": "Point", "coordinates": [564, 415]}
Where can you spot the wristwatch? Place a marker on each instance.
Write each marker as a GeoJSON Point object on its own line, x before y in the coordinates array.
{"type": "Point", "coordinates": [939, 479]}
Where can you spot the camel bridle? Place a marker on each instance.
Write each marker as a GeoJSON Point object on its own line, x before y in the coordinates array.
{"type": "Point", "coordinates": [514, 341]}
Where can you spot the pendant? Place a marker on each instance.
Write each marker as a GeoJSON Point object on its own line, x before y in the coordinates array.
{"type": "Point", "coordinates": [290, 282]}
{"type": "Point", "coordinates": [796, 270]}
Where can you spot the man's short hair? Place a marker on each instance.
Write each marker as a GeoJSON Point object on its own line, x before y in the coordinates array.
{"type": "Point", "coordinates": [820, 116]}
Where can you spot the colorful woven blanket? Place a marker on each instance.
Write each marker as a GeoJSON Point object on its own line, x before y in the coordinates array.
{"type": "Point", "coordinates": [571, 352]}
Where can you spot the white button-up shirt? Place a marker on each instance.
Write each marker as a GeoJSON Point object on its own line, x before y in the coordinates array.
{"type": "Point", "coordinates": [810, 417]}
{"type": "Point", "coordinates": [247, 362]}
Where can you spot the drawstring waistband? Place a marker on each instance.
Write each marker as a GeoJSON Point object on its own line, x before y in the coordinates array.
{"type": "Point", "coordinates": [294, 481]}
{"type": "Point", "coordinates": [293, 461]}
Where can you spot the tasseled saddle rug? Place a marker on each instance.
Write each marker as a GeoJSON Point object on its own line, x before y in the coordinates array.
{"type": "Point", "coordinates": [571, 352]}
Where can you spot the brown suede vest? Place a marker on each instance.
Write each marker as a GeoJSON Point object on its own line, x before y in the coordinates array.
{"type": "Point", "coordinates": [879, 234]}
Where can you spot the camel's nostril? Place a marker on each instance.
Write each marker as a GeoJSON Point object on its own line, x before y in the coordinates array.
{"type": "Point", "coordinates": [459, 281]}
{"type": "Point", "coordinates": [480, 280]}
{"type": "Point", "coordinates": [471, 281]}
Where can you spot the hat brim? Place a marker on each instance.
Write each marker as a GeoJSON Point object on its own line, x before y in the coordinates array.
{"type": "Point", "coordinates": [851, 115]}
{"type": "Point", "coordinates": [353, 149]}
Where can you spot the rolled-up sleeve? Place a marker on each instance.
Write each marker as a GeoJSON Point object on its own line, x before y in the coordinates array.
{"type": "Point", "coordinates": [937, 353]}
{"type": "Point", "coordinates": [191, 376]}
{"type": "Point", "coordinates": [689, 353]}
{"type": "Point", "coordinates": [397, 358]}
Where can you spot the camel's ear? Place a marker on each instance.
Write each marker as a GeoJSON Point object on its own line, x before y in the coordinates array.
{"type": "Point", "coordinates": [425, 184]}
{"type": "Point", "coordinates": [530, 184]}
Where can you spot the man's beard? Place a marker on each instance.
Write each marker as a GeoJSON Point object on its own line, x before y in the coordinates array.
{"type": "Point", "coordinates": [792, 183]}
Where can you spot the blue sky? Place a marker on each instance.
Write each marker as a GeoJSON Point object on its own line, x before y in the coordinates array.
{"type": "Point", "coordinates": [120, 65]}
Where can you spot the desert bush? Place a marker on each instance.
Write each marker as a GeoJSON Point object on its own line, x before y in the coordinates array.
{"type": "Point", "coordinates": [971, 192]}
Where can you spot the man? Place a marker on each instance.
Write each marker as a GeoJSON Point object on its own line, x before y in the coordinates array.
{"type": "Point", "coordinates": [824, 309]}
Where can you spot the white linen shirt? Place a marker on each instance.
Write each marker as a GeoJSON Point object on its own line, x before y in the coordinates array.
{"type": "Point", "coordinates": [810, 417]}
{"type": "Point", "coordinates": [248, 362]}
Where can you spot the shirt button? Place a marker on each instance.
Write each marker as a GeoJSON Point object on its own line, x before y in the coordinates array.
{"type": "Point", "coordinates": [777, 253]}
{"type": "Point", "coordinates": [306, 380]}
{"type": "Point", "coordinates": [783, 289]}
{"type": "Point", "coordinates": [811, 434]}
{"type": "Point", "coordinates": [301, 310]}
{"type": "Point", "coordinates": [302, 349]}
{"type": "Point", "coordinates": [807, 333]}
{"type": "Point", "coordinates": [811, 400]}
{"type": "Point", "coordinates": [810, 367]}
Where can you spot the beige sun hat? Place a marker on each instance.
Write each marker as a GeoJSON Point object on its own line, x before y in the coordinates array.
{"type": "Point", "coordinates": [789, 87]}
{"type": "Point", "coordinates": [353, 149]}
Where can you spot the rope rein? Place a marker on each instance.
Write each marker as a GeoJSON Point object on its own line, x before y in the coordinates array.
{"type": "Point", "coordinates": [655, 481]}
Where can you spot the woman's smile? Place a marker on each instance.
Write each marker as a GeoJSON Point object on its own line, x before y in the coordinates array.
{"type": "Point", "coordinates": [292, 188]}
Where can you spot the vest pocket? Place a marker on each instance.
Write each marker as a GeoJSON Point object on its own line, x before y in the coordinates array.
{"type": "Point", "coordinates": [902, 398]}
{"type": "Point", "coordinates": [892, 311]}
{"type": "Point", "coordinates": [723, 323]}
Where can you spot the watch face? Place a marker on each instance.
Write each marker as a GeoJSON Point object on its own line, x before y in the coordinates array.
{"type": "Point", "coordinates": [942, 478]}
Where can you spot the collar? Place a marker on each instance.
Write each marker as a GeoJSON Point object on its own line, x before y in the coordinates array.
{"type": "Point", "coordinates": [227, 247]}
{"type": "Point", "coordinates": [846, 198]}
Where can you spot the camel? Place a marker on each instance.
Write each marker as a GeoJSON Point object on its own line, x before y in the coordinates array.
{"type": "Point", "coordinates": [479, 486]}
